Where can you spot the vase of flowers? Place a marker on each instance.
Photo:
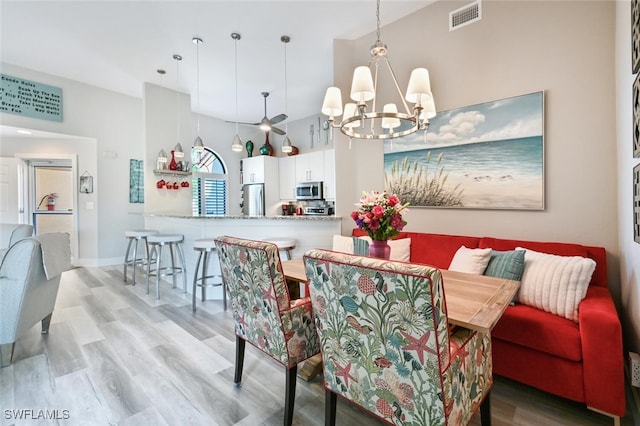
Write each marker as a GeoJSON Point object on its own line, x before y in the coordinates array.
{"type": "Point", "coordinates": [380, 216]}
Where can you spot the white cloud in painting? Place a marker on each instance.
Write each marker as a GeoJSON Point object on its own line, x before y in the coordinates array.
{"type": "Point", "coordinates": [511, 118]}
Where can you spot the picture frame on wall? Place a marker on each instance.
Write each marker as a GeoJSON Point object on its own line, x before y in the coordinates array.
{"type": "Point", "coordinates": [635, 36]}
{"type": "Point", "coordinates": [636, 117]}
{"type": "Point", "coordinates": [636, 203]}
{"type": "Point", "coordinates": [482, 156]}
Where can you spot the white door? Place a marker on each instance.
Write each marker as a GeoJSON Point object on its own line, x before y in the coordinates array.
{"type": "Point", "coordinates": [9, 191]}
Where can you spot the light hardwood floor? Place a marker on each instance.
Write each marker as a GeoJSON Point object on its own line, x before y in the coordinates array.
{"type": "Point", "coordinates": [115, 355]}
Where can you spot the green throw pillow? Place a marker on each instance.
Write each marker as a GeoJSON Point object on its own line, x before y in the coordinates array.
{"type": "Point", "coordinates": [506, 264]}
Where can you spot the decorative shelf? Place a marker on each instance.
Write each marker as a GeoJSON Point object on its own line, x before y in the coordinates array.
{"type": "Point", "coordinates": [168, 172]}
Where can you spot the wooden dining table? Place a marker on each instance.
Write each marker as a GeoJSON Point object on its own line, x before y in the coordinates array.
{"type": "Point", "coordinates": [473, 301]}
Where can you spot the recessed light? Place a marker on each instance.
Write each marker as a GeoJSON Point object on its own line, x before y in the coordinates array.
{"type": "Point", "coordinates": [24, 132]}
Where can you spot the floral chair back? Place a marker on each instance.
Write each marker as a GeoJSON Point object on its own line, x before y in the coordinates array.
{"type": "Point", "coordinates": [386, 343]}
{"type": "Point", "coordinates": [263, 313]}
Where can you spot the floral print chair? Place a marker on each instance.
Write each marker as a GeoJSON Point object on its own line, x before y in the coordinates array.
{"type": "Point", "coordinates": [263, 313]}
{"type": "Point", "coordinates": [386, 344]}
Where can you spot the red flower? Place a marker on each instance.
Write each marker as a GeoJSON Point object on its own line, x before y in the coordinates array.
{"type": "Point", "coordinates": [378, 211]}
{"type": "Point", "coordinates": [393, 200]}
{"type": "Point", "coordinates": [354, 215]}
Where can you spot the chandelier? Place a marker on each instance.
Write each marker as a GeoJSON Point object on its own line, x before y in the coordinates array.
{"type": "Point", "coordinates": [357, 122]}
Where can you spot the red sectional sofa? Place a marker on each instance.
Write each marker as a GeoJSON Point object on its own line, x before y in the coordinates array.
{"type": "Point", "coordinates": [580, 361]}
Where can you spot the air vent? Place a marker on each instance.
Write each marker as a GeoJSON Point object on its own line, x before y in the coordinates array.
{"type": "Point", "coordinates": [465, 15]}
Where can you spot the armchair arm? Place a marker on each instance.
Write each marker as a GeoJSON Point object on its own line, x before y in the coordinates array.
{"type": "Point", "coordinates": [300, 330]}
{"type": "Point", "coordinates": [602, 353]}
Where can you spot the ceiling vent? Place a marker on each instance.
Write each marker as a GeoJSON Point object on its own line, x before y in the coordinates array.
{"type": "Point", "coordinates": [465, 15]}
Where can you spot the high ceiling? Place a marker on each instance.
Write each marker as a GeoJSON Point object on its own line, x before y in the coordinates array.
{"type": "Point", "coordinates": [119, 45]}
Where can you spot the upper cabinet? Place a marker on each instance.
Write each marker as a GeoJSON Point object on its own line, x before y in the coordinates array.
{"type": "Point", "coordinates": [259, 169]}
{"type": "Point", "coordinates": [310, 167]}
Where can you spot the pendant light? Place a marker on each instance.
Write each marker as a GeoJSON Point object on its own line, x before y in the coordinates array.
{"type": "Point", "coordinates": [177, 150]}
{"type": "Point", "coordinates": [161, 160]}
{"type": "Point", "coordinates": [198, 145]}
{"type": "Point", "coordinates": [286, 142]}
{"type": "Point", "coordinates": [236, 146]}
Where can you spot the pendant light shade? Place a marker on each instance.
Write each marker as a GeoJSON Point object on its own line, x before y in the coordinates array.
{"type": "Point", "coordinates": [198, 145]}
{"type": "Point", "coordinates": [236, 145]}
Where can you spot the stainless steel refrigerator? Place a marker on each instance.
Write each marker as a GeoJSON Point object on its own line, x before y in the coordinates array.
{"type": "Point", "coordinates": [253, 199]}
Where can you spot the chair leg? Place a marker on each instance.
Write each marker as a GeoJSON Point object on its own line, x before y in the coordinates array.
{"type": "Point", "coordinates": [330, 400]}
{"type": "Point", "coordinates": [240, 343]}
{"type": "Point", "coordinates": [6, 354]}
{"type": "Point", "coordinates": [135, 262]}
{"type": "Point", "coordinates": [158, 265]}
{"type": "Point", "coordinates": [205, 269]}
{"type": "Point", "coordinates": [173, 263]}
{"type": "Point", "coordinates": [485, 410]}
{"type": "Point", "coordinates": [195, 283]}
{"type": "Point", "coordinates": [46, 322]}
{"type": "Point", "coordinates": [126, 258]}
{"type": "Point", "coordinates": [183, 271]}
{"type": "Point", "coordinates": [290, 395]}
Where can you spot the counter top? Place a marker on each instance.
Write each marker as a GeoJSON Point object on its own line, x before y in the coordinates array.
{"type": "Point", "coordinates": [303, 217]}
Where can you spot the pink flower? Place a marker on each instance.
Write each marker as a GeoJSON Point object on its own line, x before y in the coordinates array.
{"type": "Point", "coordinates": [378, 211]}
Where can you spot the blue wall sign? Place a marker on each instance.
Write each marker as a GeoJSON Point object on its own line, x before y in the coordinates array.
{"type": "Point", "coordinates": [30, 99]}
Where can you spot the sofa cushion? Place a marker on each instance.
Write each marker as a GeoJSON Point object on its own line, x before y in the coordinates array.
{"type": "Point", "coordinates": [506, 264]}
{"type": "Point", "coordinates": [438, 250]}
{"type": "Point", "coordinates": [542, 331]}
{"type": "Point", "coordinates": [555, 284]}
{"type": "Point", "coordinates": [598, 254]}
{"type": "Point", "coordinates": [471, 261]}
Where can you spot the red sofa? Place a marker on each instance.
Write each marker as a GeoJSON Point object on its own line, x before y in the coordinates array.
{"type": "Point", "coordinates": [580, 361]}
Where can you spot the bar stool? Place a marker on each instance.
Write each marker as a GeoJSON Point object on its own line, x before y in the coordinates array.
{"type": "Point", "coordinates": [157, 243]}
{"type": "Point", "coordinates": [284, 244]}
{"type": "Point", "coordinates": [134, 237]}
{"type": "Point", "coordinates": [205, 247]}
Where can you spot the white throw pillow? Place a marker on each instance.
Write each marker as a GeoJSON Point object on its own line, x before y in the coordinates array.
{"type": "Point", "coordinates": [471, 261]}
{"type": "Point", "coordinates": [400, 248]}
{"type": "Point", "coordinates": [555, 284]}
{"type": "Point", "coordinates": [343, 244]}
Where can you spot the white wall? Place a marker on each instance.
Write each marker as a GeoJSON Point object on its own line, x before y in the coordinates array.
{"type": "Point", "coordinates": [563, 48]}
{"type": "Point", "coordinates": [114, 122]}
{"type": "Point", "coordinates": [629, 249]}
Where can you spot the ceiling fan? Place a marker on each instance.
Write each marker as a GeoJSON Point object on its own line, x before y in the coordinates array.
{"type": "Point", "coordinates": [267, 124]}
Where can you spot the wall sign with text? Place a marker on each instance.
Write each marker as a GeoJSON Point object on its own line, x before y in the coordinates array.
{"type": "Point", "coordinates": [30, 99]}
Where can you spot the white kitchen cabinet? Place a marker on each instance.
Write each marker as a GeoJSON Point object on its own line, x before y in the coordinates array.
{"type": "Point", "coordinates": [330, 174]}
{"type": "Point", "coordinates": [310, 167]}
{"type": "Point", "coordinates": [258, 169]}
{"type": "Point", "coordinates": [287, 166]}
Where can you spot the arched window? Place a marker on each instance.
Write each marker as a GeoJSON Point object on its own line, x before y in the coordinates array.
{"type": "Point", "coordinates": [209, 183]}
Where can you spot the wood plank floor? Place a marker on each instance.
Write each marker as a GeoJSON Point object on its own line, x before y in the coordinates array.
{"type": "Point", "coordinates": [115, 355]}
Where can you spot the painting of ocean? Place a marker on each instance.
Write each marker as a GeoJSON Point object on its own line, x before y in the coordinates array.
{"type": "Point", "coordinates": [488, 156]}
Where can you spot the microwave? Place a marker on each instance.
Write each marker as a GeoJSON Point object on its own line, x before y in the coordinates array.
{"type": "Point", "coordinates": [309, 191]}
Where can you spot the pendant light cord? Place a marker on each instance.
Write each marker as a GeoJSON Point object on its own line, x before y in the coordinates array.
{"type": "Point", "coordinates": [198, 41]}
{"type": "Point", "coordinates": [178, 58]}
{"type": "Point", "coordinates": [286, 91]}
{"type": "Point", "coordinates": [378, 20]}
{"type": "Point", "coordinates": [236, 72]}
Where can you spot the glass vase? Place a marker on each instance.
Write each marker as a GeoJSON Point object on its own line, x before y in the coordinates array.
{"type": "Point", "coordinates": [379, 249]}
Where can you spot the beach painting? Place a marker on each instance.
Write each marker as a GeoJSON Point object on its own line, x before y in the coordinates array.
{"type": "Point", "coordinates": [485, 156]}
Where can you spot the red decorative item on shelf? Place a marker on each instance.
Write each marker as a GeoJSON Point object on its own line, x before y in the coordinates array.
{"type": "Point", "coordinates": [173, 165]}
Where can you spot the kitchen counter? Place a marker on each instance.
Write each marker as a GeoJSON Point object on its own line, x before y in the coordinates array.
{"type": "Point", "coordinates": [293, 217]}
{"type": "Point", "coordinates": [308, 231]}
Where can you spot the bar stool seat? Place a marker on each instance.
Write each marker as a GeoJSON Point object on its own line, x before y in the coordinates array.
{"type": "Point", "coordinates": [135, 236]}
{"type": "Point", "coordinates": [284, 244]}
{"type": "Point", "coordinates": [157, 243]}
{"type": "Point", "coordinates": [205, 246]}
